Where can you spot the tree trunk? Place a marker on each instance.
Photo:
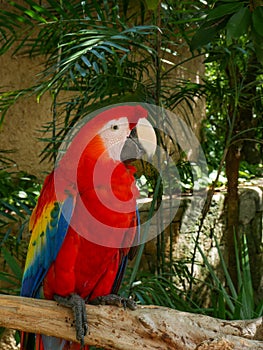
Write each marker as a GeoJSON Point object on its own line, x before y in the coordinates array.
{"type": "Point", "coordinates": [232, 207]}
{"type": "Point", "coordinates": [241, 123]}
{"type": "Point", "coordinates": [148, 327]}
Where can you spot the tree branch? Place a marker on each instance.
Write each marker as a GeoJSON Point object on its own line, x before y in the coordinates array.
{"type": "Point", "coordinates": [148, 327]}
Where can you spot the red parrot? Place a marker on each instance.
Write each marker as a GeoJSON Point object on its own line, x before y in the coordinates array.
{"type": "Point", "coordinates": [85, 223]}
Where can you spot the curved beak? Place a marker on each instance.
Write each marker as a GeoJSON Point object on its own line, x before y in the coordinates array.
{"type": "Point", "coordinates": [142, 140]}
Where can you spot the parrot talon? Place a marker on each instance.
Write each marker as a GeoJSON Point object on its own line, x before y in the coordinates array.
{"type": "Point", "coordinates": [116, 300]}
{"type": "Point", "coordinates": [77, 304]}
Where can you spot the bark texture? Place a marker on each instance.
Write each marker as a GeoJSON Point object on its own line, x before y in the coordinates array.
{"type": "Point", "coordinates": [148, 327]}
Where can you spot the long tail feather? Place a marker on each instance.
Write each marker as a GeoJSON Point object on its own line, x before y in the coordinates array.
{"type": "Point", "coordinates": [27, 341]}
{"type": "Point", "coordinates": [39, 343]}
{"type": "Point", "coordinates": [31, 341]}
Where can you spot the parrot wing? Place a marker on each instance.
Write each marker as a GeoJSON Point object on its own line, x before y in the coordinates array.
{"type": "Point", "coordinates": [49, 224]}
{"type": "Point", "coordinates": [128, 254]}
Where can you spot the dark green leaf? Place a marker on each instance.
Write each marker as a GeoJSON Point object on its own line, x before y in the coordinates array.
{"type": "Point", "coordinates": [96, 67]}
{"type": "Point", "coordinates": [97, 54]}
{"type": "Point", "coordinates": [35, 16]}
{"type": "Point", "coordinates": [223, 10]}
{"type": "Point", "coordinates": [24, 207]}
{"type": "Point", "coordinates": [8, 216]}
{"type": "Point", "coordinates": [81, 71]}
{"type": "Point", "coordinates": [41, 9]}
{"type": "Point", "coordinates": [12, 208]}
{"type": "Point", "coordinates": [238, 24]}
{"type": "Point", "coordinates": [206, 33]}
{"type": "Point", "coordinates": [86, 61]}
{"type": "Point", "coordinates": [257, 18]}
{"type": "Point", "coordinates": [2, 331]}
{"type": "Point", "coordinates": [7, 278]}
{"type": "Point", "coordinates": [12, 263]}
{"type": "Point", "coordinates": [152, 4]}
{"type": "Point", "coordinates": [117, 46]}
{"type": "Point", "coordinates": [258, 44]}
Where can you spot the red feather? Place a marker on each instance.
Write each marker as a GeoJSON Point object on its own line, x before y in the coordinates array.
{"type": "Point", "coordinates": [102, 226]}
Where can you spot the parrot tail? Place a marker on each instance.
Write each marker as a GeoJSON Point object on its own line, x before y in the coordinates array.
{"type": "Point", "coordinates": [74, 346]}
{"type": "Point", "coordinates": [31, 341]}
{"type": "Point", "coordinates": [52, 343]}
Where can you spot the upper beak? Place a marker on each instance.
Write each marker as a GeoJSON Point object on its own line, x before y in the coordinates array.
{"type": "Point", "coordinates": [141, 140]}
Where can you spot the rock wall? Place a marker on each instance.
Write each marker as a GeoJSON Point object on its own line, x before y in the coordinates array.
{"type": "Point", "coordinates": [250, 221]}
{"type": "Point", "coordinates": [184, 235]}
{"type": "Point", "coordinates": [24, 121]}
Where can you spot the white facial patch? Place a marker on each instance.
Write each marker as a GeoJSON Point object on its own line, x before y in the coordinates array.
{"type": "Point", "coordinates": [114, 135]}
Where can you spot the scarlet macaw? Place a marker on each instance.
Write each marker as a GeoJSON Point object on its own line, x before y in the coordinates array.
{"type": "Point", "coordinates": [85, 221]}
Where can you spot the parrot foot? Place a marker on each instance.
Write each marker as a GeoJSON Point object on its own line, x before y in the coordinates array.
{"type": "Point", "coordinates": [116, 300]}
{"type": "Point", "coordinates": [77, 304]}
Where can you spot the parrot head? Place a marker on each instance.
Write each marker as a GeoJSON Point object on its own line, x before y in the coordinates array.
{"type": "Point", "coordinates": [127, 139]}
{"type": "Point", "coordinates": [115, 135]}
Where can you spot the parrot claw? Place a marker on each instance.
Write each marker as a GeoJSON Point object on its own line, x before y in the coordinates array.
{"type": "Point", "coordinates": [116, 300]}
{"type": "Point", "coordinates": [77, 304]}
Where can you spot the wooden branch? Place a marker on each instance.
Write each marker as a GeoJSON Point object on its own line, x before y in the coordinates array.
{"type": "Point", "coordinates": [148, 327]}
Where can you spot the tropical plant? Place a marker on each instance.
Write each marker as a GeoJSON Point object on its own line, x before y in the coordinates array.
{"type": "Point", "coordinates": [225, 300]}
{"type": "Point", "coordinates": [19, 193]}
{"type": "Point", "coordinates": [229, 301]}
{"type": "Point", "coordinates": [230, 36]}
{"type": "Point", "coordinates": [101, 52]}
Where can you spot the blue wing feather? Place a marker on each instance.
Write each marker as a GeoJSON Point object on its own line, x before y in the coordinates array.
{"type": "Point", "coordinates": [46, 247]}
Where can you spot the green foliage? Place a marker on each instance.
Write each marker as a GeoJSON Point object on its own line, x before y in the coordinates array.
{"type": "Point", "coordinates": [149, 289]}
{"type": "Point", "coordinates": [229, 36]}
{"type": "Point", "coordinates": [18, 192]}
{"type": "Point", "coordinates": [238, 18]}
{"type": "Point", "coordinates": [228, 301]}
{"type": "Point", "coordinates": [249, 171]}
{"type": "Point", "coordinates": [10, 280]}
{"type": "Point", "coordinates": [5, 160]}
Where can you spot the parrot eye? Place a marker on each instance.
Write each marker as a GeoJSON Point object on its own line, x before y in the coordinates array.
{"type": "Point", "coordinates": [115, 127]}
